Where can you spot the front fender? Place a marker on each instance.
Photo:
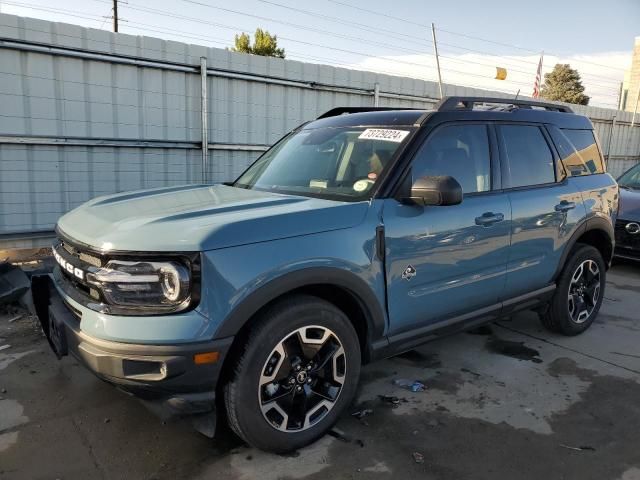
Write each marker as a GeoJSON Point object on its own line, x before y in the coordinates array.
{"type": "Point", "coordinates": [279, 286]}
{"type": "Point", "coordinates": [239, 281]}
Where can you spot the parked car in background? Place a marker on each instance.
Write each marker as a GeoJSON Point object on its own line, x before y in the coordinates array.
{"type": "Point", "coordinates": [358, 236]}
{"type": "Point", "coordinates": [628, 223]}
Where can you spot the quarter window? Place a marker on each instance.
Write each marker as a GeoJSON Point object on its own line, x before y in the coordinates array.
{"type": "Point", "coordinates": [585, 157]}
{"type": "Point", "coordinates": [460, 151]}
{"type": "Point", "coordinates": [529, 158]}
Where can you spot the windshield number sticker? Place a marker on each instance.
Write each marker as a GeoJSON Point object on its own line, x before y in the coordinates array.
{"type": "Point", "coordinates": [384, 134]}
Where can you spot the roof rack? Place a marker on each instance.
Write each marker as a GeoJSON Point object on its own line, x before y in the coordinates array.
{"type": "Point", "coordinates": [334, 112]}
{"type": "Point", "coordinates": [448, 104]}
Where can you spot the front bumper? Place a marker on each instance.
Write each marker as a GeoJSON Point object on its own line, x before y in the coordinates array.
{"type": "Point", "coordinates": [167, 374]}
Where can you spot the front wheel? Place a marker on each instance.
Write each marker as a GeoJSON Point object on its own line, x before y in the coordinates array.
{"type": "Point", "coordinates": [299, 369]}
{"type": "Point", "coordinates": [579, 293]}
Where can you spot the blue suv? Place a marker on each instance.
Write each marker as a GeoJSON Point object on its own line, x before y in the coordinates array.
{"type": "Point", "coordinates": [358, 236]}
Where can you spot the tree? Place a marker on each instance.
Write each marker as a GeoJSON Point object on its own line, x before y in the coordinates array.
{"type": "Point", "coordinates": [264, 44]}
{"type": "Point", "coordinates": [563, 84]}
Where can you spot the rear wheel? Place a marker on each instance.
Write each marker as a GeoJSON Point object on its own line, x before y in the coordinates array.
{"type": "Point", "coordinates": [298, 370]}
{"type": "Point", "coordinates": [579, 292]}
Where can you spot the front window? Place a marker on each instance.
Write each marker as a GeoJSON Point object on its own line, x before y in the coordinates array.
{"type": "Point", "coordinates": [336, 163]}
{"type": "Point", "coordinates": [631, 179]}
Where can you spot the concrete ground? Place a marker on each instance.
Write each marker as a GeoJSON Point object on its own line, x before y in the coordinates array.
{"type": "Point", "coordinates": [545, 407]}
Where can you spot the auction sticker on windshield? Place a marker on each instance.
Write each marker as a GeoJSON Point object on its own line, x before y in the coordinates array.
{"type": "Point", "coordinates": [384, 134]}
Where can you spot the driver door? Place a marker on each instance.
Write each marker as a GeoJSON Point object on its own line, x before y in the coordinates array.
{"type": "Point", "coordinates": [447, 261]}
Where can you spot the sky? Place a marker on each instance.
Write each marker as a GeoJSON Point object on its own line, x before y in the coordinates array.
{"type": "Point", "coordinates": [474, 37]}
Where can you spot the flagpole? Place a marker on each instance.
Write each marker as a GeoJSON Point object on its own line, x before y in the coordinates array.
{"type": "Point", "coordinates": [538, 81]}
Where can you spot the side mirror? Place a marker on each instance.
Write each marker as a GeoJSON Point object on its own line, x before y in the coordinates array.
{"type": "Point", "coordinates": [436, 191]}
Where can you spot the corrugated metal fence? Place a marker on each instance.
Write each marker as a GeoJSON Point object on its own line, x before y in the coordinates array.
{"type": "Point", "coordinates": [86, 112]}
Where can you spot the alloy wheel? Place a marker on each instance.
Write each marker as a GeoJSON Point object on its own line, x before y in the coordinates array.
{"type": "Point", "coordinates": [584, 291]}
{"type": "Point", "coordinates": [302, 379]}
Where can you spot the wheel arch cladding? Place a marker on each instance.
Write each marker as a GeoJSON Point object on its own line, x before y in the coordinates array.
{"type": "Point", "coordinates": [599, 239]}
{"type": "Point", "coordinates": [341, 288]}
{"type": "Point", "coordinates": [597, 232]}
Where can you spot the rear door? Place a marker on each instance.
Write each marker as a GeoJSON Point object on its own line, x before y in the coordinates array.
{"type": "Point", "coordinates": [445, 261]}
{"type": "Point", "coordinates": [545, 206]}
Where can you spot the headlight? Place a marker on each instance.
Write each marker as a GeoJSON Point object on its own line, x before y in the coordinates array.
{"type": "Point", "coordinates": [164, 286]}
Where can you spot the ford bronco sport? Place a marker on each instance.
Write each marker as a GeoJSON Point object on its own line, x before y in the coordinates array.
{"type": "Point", "coordinates": [357, 236]}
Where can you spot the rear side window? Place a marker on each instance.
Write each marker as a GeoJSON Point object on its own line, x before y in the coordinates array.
{"type": "Point", "coordinates": [579, 152]}
{"type": "Point", "coordinates": [529, 159]}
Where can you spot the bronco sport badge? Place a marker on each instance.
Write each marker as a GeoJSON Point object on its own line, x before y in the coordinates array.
{"type": "Point", "coordinates": [409, 273]}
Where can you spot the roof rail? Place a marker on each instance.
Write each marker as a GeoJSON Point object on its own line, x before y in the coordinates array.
{"type": "Point", "coordinates": [334, 112]}
{"type": "Point", "coordinates": [448, 104]}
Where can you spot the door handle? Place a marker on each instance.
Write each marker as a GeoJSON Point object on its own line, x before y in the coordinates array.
{"type": "Point", "coordinates": [489, 218]}
{"type": "Point", "coordinates": [565, 206]}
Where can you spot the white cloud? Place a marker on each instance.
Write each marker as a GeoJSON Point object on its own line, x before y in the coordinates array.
{"type": "Point", "coordinates": [601, 73]}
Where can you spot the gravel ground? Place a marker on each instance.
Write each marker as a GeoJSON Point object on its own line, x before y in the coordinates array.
{"type": "Point", "coordinates": [545, 406]}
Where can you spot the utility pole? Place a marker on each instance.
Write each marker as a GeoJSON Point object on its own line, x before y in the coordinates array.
{"type": "Point", "coordinates": [115, 16]}
{"type": "Point", "coordinates": [435, 48]}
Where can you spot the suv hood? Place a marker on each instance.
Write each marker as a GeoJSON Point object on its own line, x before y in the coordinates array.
{"type": "Point", "coordinates": [202, 217]}
{"type": "Point", "coordinates": [629, 206]}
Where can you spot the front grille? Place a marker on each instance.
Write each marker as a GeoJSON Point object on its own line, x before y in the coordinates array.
{"type": "Point", "coordinates": [93, 260]}
{"type": "Point", "coordinates": [84, 261]}
{"type": "Point", "coordinates": [624, 238]}
{"type": "Point", "coordinates": [84, 256]}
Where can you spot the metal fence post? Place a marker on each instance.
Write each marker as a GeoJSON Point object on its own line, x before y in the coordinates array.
{"type": "Point", "coordinates": [376, 95]}
{"type": "Point", "coordinates": [204, 116]}
{"type": "Point", "coordinates": [613, 126]}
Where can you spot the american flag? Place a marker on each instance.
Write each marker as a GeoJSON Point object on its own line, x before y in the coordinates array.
{"type": "Point", "coordinates": [536, 85]}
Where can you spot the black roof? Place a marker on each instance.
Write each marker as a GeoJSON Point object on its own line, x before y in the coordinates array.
{"type": "Point", "coordinates": [397, 117]}
{"type": "Point", "coordinates": [455, 108]}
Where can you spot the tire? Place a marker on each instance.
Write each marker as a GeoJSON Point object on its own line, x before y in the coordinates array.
{"type": "Point", "coordinates": [572, 315]}
{"type": "Point", "coordinates": [298, 339]}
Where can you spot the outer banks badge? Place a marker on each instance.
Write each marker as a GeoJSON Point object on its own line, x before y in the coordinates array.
{"type": "Point", "coordinates": [409, 273]}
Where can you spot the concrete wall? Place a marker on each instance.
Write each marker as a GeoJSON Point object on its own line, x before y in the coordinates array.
{"type": "Point", "coordinates": [86, 112]}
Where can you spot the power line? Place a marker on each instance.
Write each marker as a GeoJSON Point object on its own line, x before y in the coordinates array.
{"type": "Point", "coordinates": [400, 49]}
{"type": "Point", "coordinates": [106, 17]}
{"type": "Point", "coordinates": [359, 53]}
{"type": "Point", "coordinates": [386, 15]}
{"type": "Point", "coordinates": [413, 37]}
{"type": "Point", "coordinates": [373, 12]}
{"type": "Point", "coordinates": [360, 26]}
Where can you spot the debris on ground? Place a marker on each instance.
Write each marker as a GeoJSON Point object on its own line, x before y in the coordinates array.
{"type": "Point", "coordinates": [413, 385]}
{"type": "Point", "coordinates": [13, 283]}
{"type": "Point", "coordinates": [343, 437]}
{"type": "Point", "coordinates": [16, 318]}
{"type": "Point", "coordinates": [417, 457]}
{"type": "Point", "coordinates": [340, 435]}
{"type": "Point", "coordinates": [579, 449]}
{"type": "Point", "coordinates": [4, 347]}
{"type": "Point", "coordinates": [395, 401]}
{"type": "Point", "coordinates": [362, 413]}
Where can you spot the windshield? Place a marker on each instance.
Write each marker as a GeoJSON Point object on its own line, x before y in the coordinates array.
{"type": "Point", "coordinates": [631, 179]}
{"type": "Point", "coordinates": [336, 163]}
